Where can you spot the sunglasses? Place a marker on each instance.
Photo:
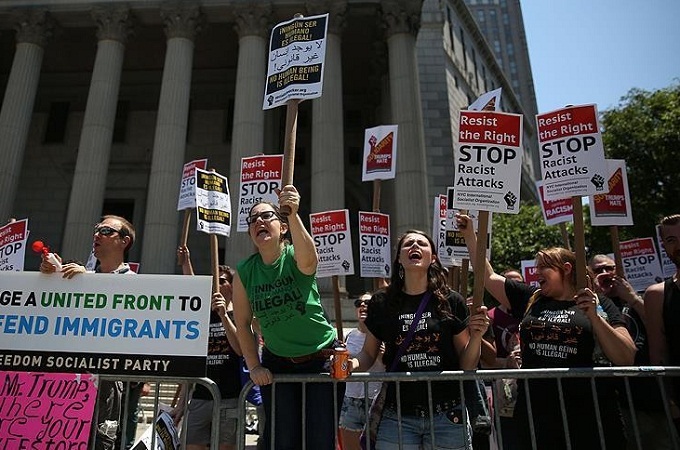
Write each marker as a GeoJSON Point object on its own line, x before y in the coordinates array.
{"type": "Point", "coordinates": [602, 269]}
{"type": "Point", "coordinates": [358, 303]}
{"type": "Point", "coordinates": [108, 231]}
{"type": "Point", "coordinates": [267, 216]}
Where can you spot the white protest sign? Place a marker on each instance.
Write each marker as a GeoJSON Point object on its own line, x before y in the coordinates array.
{"type": "Point", "coordinates": [667, 267]}
{"type": "Point", "coordinates": [297, 50]}
{"type": "Point", "coordinates": [187, 189]}
{"type": "Point", "coordinates": [572, 153]}
{"type": "Point", "coordinates": [488, 161]}
{"type": "Point", "coordinates": [613, 208]}
{"type": "Point", "coordinates": [260, 177]}
{"type": "Point", "coordinates": [489, 101]}
{"type": "Point", "coordinates": [374, 245]}
{"type": "Point", "coordinates": [439, 232]}
{"type": "Point", "coordinates": [530, 272]}
{"type": "Point", "coordinates": [455, 242]}
{"type": "Point", "coordinates": [213, 204]}
{"type": "Point", "coordinates": [331, 234]}
{"type": "Point", "coordinates": [105, 323]}
{"type": "Point", "coordinates": [555, 211]}
{"type": "Point", "coordinates": [167, 437]}
{"type": "Point", "coordinates": [13, 237]}
{"type": "Point", "coordinates": [640, 263]}
{"type": "Point", "coordinates": [380, 153]}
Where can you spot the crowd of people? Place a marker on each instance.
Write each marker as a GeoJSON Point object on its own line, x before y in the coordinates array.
{"type": "Point", "coordinates": [418, 323]}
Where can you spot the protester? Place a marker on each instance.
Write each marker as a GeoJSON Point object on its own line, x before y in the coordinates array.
{"type": "Point", "coordinates": [560, 327]}
{"type": "Point", "coordinates": [662, 310]}
{"type": "Point", "coordinates": [277, 285]}
{"type": "Point", "coordinates": [223, 367]}
{"type": "Point", "coordinates": [445, 338]}
{"type": "Point", "coordinates": [113, 237]}
{"type": "Point", "coordinates": [353, 413]}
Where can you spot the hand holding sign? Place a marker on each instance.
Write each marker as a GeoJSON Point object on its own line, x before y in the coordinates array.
{"type": "Point", "coordinates": [289, 198]}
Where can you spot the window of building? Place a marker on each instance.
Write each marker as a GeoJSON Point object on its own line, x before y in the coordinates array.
{"type": "Point", "coordinates": [120, 124]}
{"type": "Point", "coordinates": [462, 42]}
{"type": "Point", "coordinates": [449, 16]}
{"type": "Point", "coordinates": [474, 66]}
{"type": "Point", "coordinates": [55, 131]}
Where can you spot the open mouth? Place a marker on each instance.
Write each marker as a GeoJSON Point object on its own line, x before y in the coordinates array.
{"type": "Point", "coordinates": [415, 256]}
{"type": "Point", "coordinates": [262, 232]}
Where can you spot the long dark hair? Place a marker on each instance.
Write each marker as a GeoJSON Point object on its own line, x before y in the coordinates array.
{"type": "Point", "coordinates": [436, 276]}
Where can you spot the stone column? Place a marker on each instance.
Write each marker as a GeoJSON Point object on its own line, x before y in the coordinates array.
{"type": "Point", "coordinates": [328, 145]}
{"type": "Point", "coordinates": [413, 206]}
{"type": "Point", "coordinates": [248, 128]}
{"type": "Point", "coordinates": [89, 179]}
{"type": "Point", "coordinates": [161, 225]}
{"type": "Point", "coordinates": [33, 28]}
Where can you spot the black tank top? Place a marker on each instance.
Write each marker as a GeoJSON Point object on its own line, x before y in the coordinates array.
{"type": "Point", "coordinates": [671, 319]}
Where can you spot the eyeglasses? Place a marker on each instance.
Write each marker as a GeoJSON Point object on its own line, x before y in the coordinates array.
{"type": "Point", "coordinates": [223, 280]}
{"type": "Point", "coordinates": [358, 303]}
{"type": "Point", "coordinates": [606, 268]}
{"type": "Point", "coordinates": [108, 231]}
{"type": "Point", "coordinates": [267, 216]}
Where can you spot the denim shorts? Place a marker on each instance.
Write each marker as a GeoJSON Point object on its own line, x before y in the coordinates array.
{"type": "Point", "coordinates": [353, 414]}
{"type": "Point", "coordinates": [451, 431]}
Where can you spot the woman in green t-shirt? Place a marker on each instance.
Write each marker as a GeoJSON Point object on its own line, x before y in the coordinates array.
{"type": "Point", "coordinates": [277, 286]}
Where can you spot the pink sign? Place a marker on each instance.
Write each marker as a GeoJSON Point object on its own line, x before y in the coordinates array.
{"type": "Point", "coordinates": [46, 410]}
{"type": "Point", "coordinates": [555, 211]}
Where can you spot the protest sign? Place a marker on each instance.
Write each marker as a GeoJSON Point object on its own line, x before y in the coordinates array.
{"type": "Point", "coordinates": [489, 101]}
{"type": "Point", "coordinates": [640, 263]}
{"type": "Point", "coordinates": [455, 243]}
{"type": "Point", "coordinates": [488, 161]}
{"type": "Point", "coordinates": [13, 237]}
{"type": "Point", "coordinates": [331, 234]}
{"type": "Point", "coordinates": [213, 204]}
{"type": "Point", "coordinates": [45, 411]}
{"type": "Point", "coordinates": [260, 177]}
{"type": "Point", "coordinates": [187, 189]}
{"type": "Point", "coordinates": [530, 272]}
{"type": "Point", "coordinates": [555, 211]}
{"type": "Point", "coordinates": [380, 153]}
{"type": "Point", "coordinates": [667, 267]}
{"type": "Point", "coordinates": [571, 152]}
{"type": "Point", "coordinates": [439, 232]}
{"type": "Point", "coordinates": [374, 245]}
{"type": "Point", "coordinates": [297, 50]}
{"type": "Point", "coordinates": [614, 207]}
{"type": "Point", "coordinates": [167, 437]}
{"type": "Point", "coordinates": [104, 323]}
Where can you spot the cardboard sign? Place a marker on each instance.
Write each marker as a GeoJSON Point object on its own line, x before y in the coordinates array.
{"type": "Point", "coordinates": [455, 242]}
{"type": "Point", "coordinates": [640, 263]}
{"type": "Point", "coordinates": [13, 237]}
{"type": "Point", "coordinates": [374, 245]}
{"type": "Point", "coordinates": [331, 234]}
{"type": "Point", "coordinates": [105, 323]}
{"type": "Point", "coordinates": [614, 207]}
{"type": "Point", "coordinates": [260, 178]}
{"type": "Point", "coordinates": [187, 189]}
{"type": "Point", "coordinates": [167, 437]}
{"type": "Point", "coordinates": [530, 272]}
{"type": "Point", "coordinates": [555, 211]}
{"type": "Point", "coordinates": [488, 161]}
{"type": "Point", "coordinates": [46, 410]}
{"type": "Point", "coordinates": [297, 50]}
{"type": "Point", "coordinates": [213, 204]}
{"type": "Point", "coordinates": [668, 268]}
{"type": "Point", "coordinates": [380, 153]}
{"type": "Point", "coordinates": [571, 151]}
{"type": "Point", "coordinates": [489, 101]}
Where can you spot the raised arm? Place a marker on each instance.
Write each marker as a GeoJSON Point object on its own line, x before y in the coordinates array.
{"type": "Point", "coordinates": [493, 282]}
{"type": "Point", "coordinates": [305, 250]}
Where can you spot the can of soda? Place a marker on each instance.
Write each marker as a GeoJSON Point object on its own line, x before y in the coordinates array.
{"type": "Point", "coordinates": [340, 363]}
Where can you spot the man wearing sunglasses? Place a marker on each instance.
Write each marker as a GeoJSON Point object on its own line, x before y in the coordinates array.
{"type": "Point", "coordinates": [112, 238]}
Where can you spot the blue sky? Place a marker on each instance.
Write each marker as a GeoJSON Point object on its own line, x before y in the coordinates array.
{"type": "Point", "coordinates": [595, 51]}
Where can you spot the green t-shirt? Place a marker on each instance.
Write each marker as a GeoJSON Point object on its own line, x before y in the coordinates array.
{"type": "Point", "coordinates": [287, 304]}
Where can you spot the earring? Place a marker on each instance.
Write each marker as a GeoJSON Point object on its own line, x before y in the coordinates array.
{"type": "Point", "coordinates": [401, 271]}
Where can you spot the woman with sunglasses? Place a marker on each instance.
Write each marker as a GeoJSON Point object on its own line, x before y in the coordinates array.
{"type": "Point", "coordinates": [277, 286]}
{"type": "Point", "coordinates": [446, 337]}
{"type": "Point", "coordinates": [560, 327]}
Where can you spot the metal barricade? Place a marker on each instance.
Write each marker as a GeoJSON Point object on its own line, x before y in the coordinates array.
{"type": "Point", "coordinates": [210, 385]}
{"type": "Point", "coordinates": [660, 374]}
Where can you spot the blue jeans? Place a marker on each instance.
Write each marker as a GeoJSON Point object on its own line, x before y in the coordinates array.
{"type": "Point", "coordinates": [451, 431]}
{"type": "Point", "coordinates": [320, 425]}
